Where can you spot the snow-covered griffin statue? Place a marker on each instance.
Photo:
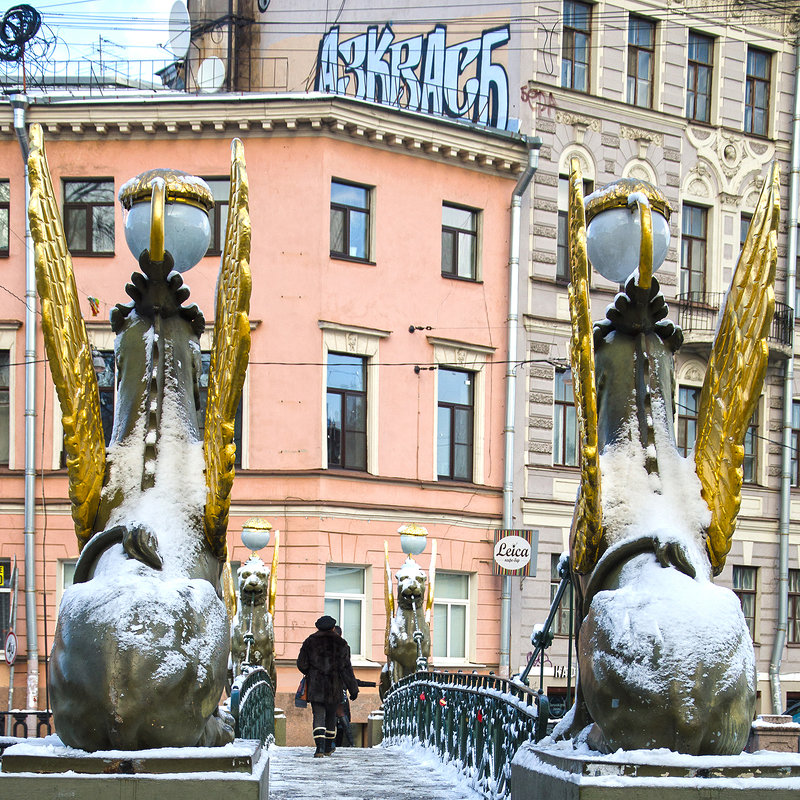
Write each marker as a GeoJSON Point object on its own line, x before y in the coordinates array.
{"type": "Point", "coordinates": [252, 632]}
{"type": "Point", "coordinates": [141, 649]}
{"type": "Point", "coordinates": [665, 657]}
{"type": "Point", "coordinates": [408, 631]}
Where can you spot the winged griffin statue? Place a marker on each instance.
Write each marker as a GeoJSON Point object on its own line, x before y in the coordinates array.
{"type": "Point", "coordinates": [140, 653]}
{"type": "Point", "coordinates": [665, 657]}
{"type": "Point", "coordinates": [408, 618]}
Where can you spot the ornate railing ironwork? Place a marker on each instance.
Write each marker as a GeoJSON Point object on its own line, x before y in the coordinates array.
{"type": "Point", "coordinates": [475, 722]}
{"type": "Point", "coordinates": [16, 723]}
{"type": "Point", "coordinates": [698, 311]}
{"type": "Point", "coordinates": [253, 705]}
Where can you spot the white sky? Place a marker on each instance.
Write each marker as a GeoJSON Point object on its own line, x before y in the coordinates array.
{"type": "Point", "coordinates": [87, 25]}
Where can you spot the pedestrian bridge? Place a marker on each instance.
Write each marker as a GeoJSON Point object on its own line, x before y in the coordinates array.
{"type": "Point", "coordinates": [356, 773]}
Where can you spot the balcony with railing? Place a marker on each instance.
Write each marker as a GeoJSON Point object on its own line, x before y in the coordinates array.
{"type": "Point", "coordinates": [698, 313]}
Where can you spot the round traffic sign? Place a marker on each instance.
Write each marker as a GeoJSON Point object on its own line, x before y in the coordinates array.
{"type": "Point", "coordinates": [11, 648]}
{"type": "Point", "coordinates": [512, 552]}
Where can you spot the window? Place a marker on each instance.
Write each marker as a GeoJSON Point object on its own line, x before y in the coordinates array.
{"type": "Point", "coordinates": [89, 217]}
{"type": "Point", "coordinates": [793, 626]}
{"type": "Point", "coordinates": [688, 404]}
{"type": "Point", "coordinates": [750, 450]}
{"type": "Point", "coordinates": [795, 440]}
{"type": "Point", "coordinates": [451, 616]}
{"type": "Point", "coordinates": [744, 587]}
{"type": "Point", "coordinates": [561, 619]}
{"type": "Point", "coordinates": [347, 411]}
{"type": "Point", "coordinates": [5, 597]}
{"type": "Point", "coordinates": [562, 251]}
{"type": "Point", "coordinates": [576, 45]}
{"type": "Point", "coordinates": [201, 413]}
{"type": "Point", "coordinates": [345, 602]}
{"type": "Point", "coordinates": [745, 219]}
{"type": "Point", "coordinates": [5, 416]}
{"type": "Point", "coordinates": [5, 198]}
{"type": "Point", "coordinates": [350, 221]}
{"type": "Point", "coordinates": [218, 216]}
{"type": "Point", "coordinates": [698, 88]}
{"type": "Point", "coordinates": [694, 223]}
{"type": "Point", "coordinates": [565, 424]}
{"type": "Point", "coordinates": [756, 91]}
{"type": "Point", "coordinates": [104, 366]}
{"type": "Point", "coordinates": [455, 425]}
{"type": "Point", "coordinates": [641, 60]}
{"type": "Point", "coordinates": [459, 242]}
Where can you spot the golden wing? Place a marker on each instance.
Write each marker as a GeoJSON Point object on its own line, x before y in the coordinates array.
{"type": "Point", "coordinates": [587, 529]}
{"type": "Point", "coordinates": [735, 373]}
{"type": "Point", "coordinates": [273, 576]}
{"type": "Point", "coordinates": [67, 345]}
{"type": "Point", "coordinates": [388, 595]}
{"type": "Point", "coordinates": [229, 355]}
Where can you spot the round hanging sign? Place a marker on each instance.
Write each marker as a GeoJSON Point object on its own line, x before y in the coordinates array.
{"type": "Point", "coordinates": [512, 552]}
{"type": "Point", "coordinates": [11, 648]}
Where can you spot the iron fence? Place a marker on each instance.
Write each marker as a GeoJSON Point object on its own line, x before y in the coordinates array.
{"type": "Point", "coordinates": [253, 705]}
{"type": "Point", "coordinates": [476, 722]}
{"type": "Point", "coordinates": [698, 311]}
{"type": "Point", "coordinates": [23, 723]}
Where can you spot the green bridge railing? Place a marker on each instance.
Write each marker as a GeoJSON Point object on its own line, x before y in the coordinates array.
{"type": "Point", "coordinates": [253, 705]}
{"type": "Point", "coordinates": [475, 722]}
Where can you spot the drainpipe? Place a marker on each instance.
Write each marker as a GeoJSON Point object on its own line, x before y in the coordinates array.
{"type": "Point", "coordinates": [19, 103]}
{"type": "Point", "coordinates": [788, 396]}
{"type": "Point", "coordinates": [534, 143]}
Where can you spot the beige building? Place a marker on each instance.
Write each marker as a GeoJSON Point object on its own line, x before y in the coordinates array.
{"type": "Point", "coordinates": [696, 98]}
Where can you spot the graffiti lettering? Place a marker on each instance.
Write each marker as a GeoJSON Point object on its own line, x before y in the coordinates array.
{"type": "Point", "coordinates": [420, 73]}
{"type": "Point", "coordinates": [538, 100]}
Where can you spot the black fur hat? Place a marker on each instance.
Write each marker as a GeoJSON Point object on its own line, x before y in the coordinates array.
{"type": "Point", "coordinates": [325, 623]}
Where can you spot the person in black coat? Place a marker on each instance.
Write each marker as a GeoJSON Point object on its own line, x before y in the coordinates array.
{"type": "Point", "coordinates": [325, 661]}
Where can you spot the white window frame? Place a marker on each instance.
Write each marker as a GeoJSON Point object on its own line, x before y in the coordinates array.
{"type": "Point", "coordinates": [470, 624]}
{"type": "Point", "coordinates": [7, 591]}
{"type": "Point", "coordinates": [361, 653]}
{"type": "Point", "coordinates": [8, 339]}
{"type": "Point", "coordinates": [352, 340]}
{"type": "Point", "coordinates": [472, 358]}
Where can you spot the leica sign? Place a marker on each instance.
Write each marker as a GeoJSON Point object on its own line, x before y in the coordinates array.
{"type": "Point", "coordinates": [512, 552]}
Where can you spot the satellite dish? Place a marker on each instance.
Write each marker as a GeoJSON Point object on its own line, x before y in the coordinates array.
{"type": "Point", "coordinates": [211, 75]}
{"type": "Point", "coordinates": [180, 30]}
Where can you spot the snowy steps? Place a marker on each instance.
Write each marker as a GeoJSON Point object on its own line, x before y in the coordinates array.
{"type": "Point", "coordinates": [359, 773]}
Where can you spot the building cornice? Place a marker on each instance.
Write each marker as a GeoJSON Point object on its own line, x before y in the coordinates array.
{"type": "Point", "coordinates": [275, 115]}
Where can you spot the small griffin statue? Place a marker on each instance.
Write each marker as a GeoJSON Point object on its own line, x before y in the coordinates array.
{"type": "Point", "coordinates": [408, 626]}
{"type": "Point", "coordinates": [665, 657]}
{"type": "Point", "coordinates": [141, 648]}
{"type": "Point", "coordinates": [252, 632]}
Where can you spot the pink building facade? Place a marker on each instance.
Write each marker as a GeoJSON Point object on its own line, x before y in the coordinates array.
{"type": "Point", "coordinates": [375, 394]}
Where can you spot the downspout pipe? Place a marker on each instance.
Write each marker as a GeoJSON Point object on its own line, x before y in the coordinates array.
{"type": "Point", "coordinates": [19, 104]}
{"type": "Point", "coordinates": [779, 643]}
{"type": "Point", "coordinates": [534, 143]}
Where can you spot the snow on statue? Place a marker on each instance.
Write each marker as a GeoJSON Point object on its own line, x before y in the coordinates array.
{"type": "Point", "coordinates": [665, 656]}
{"type": "Point", "coordinates": [408, 631]}
{"type": "Point", "coordinates": [140, 653]}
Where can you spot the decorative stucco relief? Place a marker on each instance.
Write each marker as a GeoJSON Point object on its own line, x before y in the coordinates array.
{"type": "Point", "coordinates": [731, 155]}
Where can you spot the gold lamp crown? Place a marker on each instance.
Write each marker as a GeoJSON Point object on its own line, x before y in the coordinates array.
{"type": "Point", "coordinates": [616, 195]}
{"type": "Point", "coordinates": [180, 187]}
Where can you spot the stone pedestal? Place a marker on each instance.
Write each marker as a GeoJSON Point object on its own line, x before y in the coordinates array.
{"type": "Point", "coordinates": [556, 772]}
{"type": "Point", "coordinates": [774, 732]}
{"type": "Point", "coordinates": [375, 728]}
{"type": "Point", "coordinates": [44, 769]}
{"type": "Point", "coordinates": [280, 727]}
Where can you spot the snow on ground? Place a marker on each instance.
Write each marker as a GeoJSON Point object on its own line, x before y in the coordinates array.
{"type": "Point", "coordinates": [396, 772]}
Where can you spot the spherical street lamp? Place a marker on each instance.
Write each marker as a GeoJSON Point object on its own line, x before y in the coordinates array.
{"type": "Point", "coordinates": [256, 533]}
{"type": "Point", "coordinates": [413, 538]}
